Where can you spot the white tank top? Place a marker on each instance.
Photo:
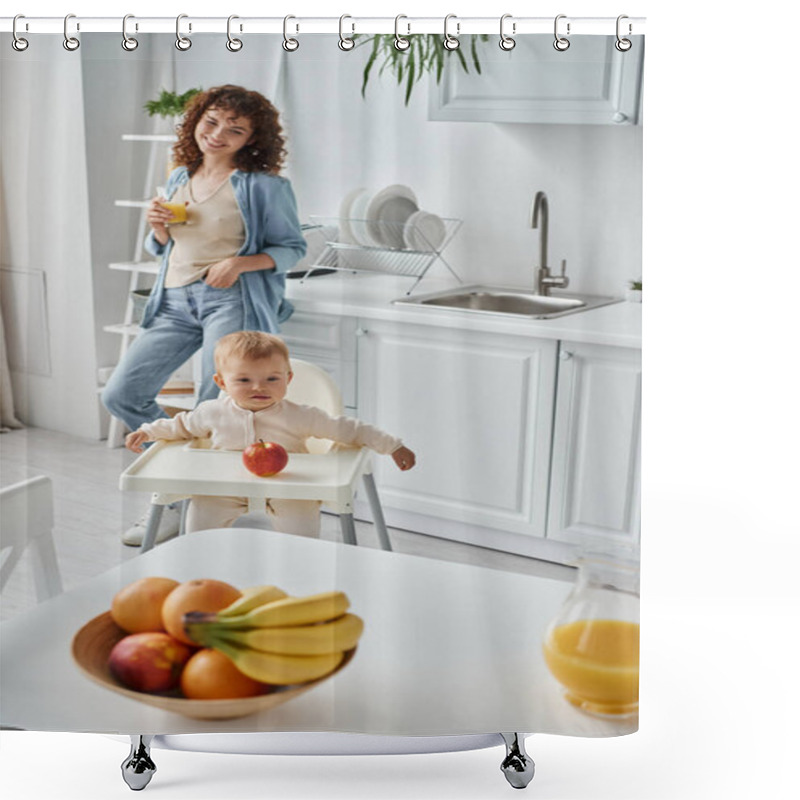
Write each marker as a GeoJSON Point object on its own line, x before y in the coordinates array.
{"type": "Point", "coordinates": [213, 231]}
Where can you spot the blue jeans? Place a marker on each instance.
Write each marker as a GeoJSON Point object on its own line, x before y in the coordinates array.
{"type": "Point", "coordinates": [190, 318]}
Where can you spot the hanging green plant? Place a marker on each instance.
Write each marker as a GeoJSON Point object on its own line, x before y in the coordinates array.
{"type": "Point", "coordinates": [170, 104]}
{"type": "Point", "coordinates": [425, 55]}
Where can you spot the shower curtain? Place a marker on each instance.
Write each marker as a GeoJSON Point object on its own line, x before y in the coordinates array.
{"type": "Point", "coordinates": [436, 214]}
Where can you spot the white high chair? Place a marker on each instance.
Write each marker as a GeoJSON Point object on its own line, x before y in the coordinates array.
{"type": "Point", "coordinates": [174, 471]}
{"type": "Point", "coordinates": [26, 510]}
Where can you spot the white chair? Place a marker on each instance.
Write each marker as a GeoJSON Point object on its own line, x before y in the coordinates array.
{"type": "Point", "coordinates": [26, 514]}
{"type": "Point", "coordinates": [174, 471]}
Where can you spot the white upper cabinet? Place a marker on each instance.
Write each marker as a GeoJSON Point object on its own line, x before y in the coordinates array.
{"type": "Point", "coordinates": [591, 83]}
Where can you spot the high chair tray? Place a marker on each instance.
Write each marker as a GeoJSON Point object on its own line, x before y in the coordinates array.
{"type": "Point", "coordinates": [175, 468]}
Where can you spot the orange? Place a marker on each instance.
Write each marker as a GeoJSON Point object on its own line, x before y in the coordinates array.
{"type": "Point", "coordinates": [136, 608]}
{"type": "Point", "coordinates": [211, 675]}
{"type": "Point", "coordinates": [204, 594]}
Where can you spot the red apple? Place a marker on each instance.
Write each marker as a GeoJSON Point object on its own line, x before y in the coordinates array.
{"type": "Point", "coordinates": [149, 662]}
{"type": "Point", "coordinates": [265, 458]}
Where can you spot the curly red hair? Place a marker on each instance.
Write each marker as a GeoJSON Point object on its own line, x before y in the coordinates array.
{"type": "Point", "coordinates": [265, 154]}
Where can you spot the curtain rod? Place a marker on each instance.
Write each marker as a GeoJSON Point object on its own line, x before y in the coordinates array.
{"type": "Point", "coordinates": [599, 26]}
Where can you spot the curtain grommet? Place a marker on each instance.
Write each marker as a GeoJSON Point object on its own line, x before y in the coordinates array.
{"type": "Point", "coordinates": [400, 42]}
{"type": "Point", "coordinates": [182, 43]}
{"type": "Point", "coordinates": [19, 43]}
{"type": "Point", "coordinates": [129, 43]}
{"type": "Point", "coordinates": [561, 43]}
{"type": "Point", "coordinates": [345, 43]}
{"type": "Point", "coordinates": [70, 43]}
{"type": "Point", "coordinates": [506, 42]}
{"type": "Point", "coordinates": [623, 45]}
{"type": "Point", "coordinates": [290, 44]}
{"type": "Point", "coordinates": [233, 44]}
{"type": "Point", "coordinates": [451, 42]}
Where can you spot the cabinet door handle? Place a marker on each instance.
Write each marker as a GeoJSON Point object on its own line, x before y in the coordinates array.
{"type": "Point", "coordinates": [361, 331]}
{"type": "Point", "coordinates": [566, 355]}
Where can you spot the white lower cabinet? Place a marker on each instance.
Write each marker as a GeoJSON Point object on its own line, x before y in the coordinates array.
{"type": "Point", "coordinates": [595, 483]}
{"type": "Point", "coordinates": [329, 341]}
{"type": "Point", "coordinates": [477, 409]}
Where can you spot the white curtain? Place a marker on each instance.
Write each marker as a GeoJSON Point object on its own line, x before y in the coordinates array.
{"type": "Point", "coordinates": [7, 417]}
{"type": "Point", "coordinates": [45, 255]}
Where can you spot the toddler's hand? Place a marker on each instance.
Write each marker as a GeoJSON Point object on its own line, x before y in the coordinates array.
{"type": "Point", "coordinates": [404, 458]}
{"type": "Point", "coordinates": [135, 440]}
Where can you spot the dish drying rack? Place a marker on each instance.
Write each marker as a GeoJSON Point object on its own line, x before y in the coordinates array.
{"type": "Point", "coordinates": [396, 259]}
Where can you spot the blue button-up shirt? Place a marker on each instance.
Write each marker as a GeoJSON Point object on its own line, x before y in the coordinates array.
{"type": "Point", "coordinates": [269, 211]}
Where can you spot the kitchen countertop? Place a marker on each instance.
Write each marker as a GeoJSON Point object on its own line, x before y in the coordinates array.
{"type": "Point", "coordinates": [370, 296]}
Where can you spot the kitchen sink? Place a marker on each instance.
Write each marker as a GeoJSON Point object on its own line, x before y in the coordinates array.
{"type": "Point", "coordinates": [495, 300]}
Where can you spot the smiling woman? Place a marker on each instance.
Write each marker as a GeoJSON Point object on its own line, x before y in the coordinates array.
{"type": "Point", "coordinates": [223, 258]}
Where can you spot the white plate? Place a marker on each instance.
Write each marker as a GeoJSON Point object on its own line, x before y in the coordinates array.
{"type": "Point", "coordinates": [358, 215]}
{"type": "Point", "coordinates": [345, 213]}
{"type": "Point", "coordinates": [424, 231]}
{"type": "Point", "coordinates": [387, 212]}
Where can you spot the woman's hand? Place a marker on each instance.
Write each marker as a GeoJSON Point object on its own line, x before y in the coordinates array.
{"type": "Point", "coordinates": [157, 218]}
{"type": "Point", "coordinates": [223, 274]}
{"type": "Point", "coordinates": [404, 458]}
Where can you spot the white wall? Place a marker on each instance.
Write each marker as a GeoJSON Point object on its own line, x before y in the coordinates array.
{"type": "Point", "coordinates": [483, 173]}
{"type": "Point", "coordinates": [45, 254]}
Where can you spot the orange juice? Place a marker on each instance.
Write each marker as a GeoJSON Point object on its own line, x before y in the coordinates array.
{"type": "Point", "coordinates": [178, 212]}
{"type": "Point", "coordinates": [597, 661]}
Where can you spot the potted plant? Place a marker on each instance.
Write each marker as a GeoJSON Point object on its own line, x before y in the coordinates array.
{"type": "Point", "coordinates": [424, 55]}
{"type": "Point", "coordinates": [634, 291]}
{"type": "Point", "coordinates": [169, 104]}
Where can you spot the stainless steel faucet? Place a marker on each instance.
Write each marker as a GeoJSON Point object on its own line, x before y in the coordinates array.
{"type": "Point", "coordinates": [544, 280]}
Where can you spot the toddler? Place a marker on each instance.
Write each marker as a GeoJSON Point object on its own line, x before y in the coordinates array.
{"type": "Point", "coordinates": [253, 369]}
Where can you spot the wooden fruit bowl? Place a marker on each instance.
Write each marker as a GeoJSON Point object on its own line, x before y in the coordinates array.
{"type": "Point", "coordinates": [94, 641]}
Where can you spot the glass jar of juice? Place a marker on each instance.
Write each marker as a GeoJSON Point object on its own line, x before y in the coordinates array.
{"type": "Point", "coordinates": [592, 645]}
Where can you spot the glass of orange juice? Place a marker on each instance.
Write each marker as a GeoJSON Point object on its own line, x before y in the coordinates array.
{"type": "Point", "coordinates": [178, 213]}
{"type": "Point", "coordinates": [592, 646]}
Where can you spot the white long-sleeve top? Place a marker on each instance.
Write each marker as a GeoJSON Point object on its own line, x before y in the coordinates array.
{"type": "Point", "coordinates": [231, 427]}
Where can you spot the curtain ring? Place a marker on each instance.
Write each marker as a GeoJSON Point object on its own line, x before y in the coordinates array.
{"type": "Point", "coordinates": [289, 45]}
{"type": "Point", "coordinates": [18, 43]}
{"type": "Point", "coordinates": [451, 42]}
{"type": "Point", "coordinates": [70, 42]}
{"type": "Point", "coordinates": [345, 43]}
{"type": "Point", "coordinates": [400, 42]}
{"type": "Point", "coordinates": [623, 45]}
{"type": "Point", "coordinates": [183, 43]}
{"type": "Point", "coordinates": [561, 43]}
{"type": "Point", "coordinates": [233, 44]}
{"type": "Point", "coordinates": [128, 42]}
{"type": "Point", "coordinates": [506, 42]}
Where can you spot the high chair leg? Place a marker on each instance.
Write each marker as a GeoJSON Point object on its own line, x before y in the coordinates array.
{"type": "Point", "coordinates": [348, 528]}
{"type": "Point", "coordinates": [149, 539]}
{"type": "Point", "coordinates": [377, 511]}
{"type": "Point", "coordinates": [184, 509]}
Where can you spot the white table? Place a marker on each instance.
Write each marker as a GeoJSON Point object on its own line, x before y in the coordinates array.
{"type": "Point", "coordinates": [448, 649]}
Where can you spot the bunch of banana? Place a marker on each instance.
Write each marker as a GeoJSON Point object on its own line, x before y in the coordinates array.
{"type": "Point", "coordinates": [277, 639]}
